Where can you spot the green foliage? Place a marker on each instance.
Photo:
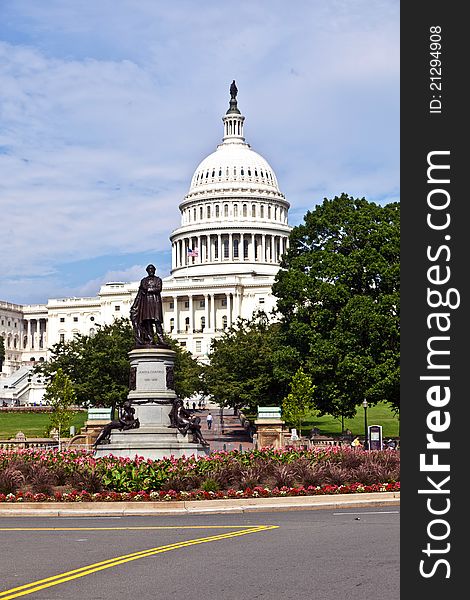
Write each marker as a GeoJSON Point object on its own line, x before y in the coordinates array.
{"type": "Point", "coordinates": [98, 365]}
{"type": "Point", "coordinates": [298, 402]}
{"type": "Point", "coordinates": [243, 370]}
{"type": "Point", "coordinates": [338, 297]}
{"type": "Point", "coordinates": [61, 396]}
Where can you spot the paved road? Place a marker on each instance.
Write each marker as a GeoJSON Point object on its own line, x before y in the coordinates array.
{"type": "Point", "coordinates": [319, 555]}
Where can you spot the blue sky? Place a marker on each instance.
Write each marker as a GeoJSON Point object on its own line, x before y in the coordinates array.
{"type": "Point", "coordinates": [108, 106]}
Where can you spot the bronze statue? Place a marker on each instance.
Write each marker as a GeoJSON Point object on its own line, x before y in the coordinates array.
{"type": "Point", "coordinates": [126, 421]}
{"type": "Point", "coordinates": [147, 312]}
{"type": "Point", "coordinates": [233, 90]}
{"type": "Point", "coordinates": [185, 422]}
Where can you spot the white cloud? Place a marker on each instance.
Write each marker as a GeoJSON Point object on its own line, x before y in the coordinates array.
{"type": "Point", "coordinates": [108, 107]}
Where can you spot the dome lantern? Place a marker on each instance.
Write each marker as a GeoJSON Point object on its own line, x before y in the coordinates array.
{"type": "Point", "coordinates": [233, 119]}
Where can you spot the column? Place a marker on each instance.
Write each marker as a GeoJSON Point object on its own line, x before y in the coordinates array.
{"type": "Point", "coordinates": [229, 309]}
{"type": "Point", "coordinates": [191, 314]}
{"type": "Point", "coordinates": [175, 314]}
{"type": "Point", "coordinates": [213, 319]}
{"type": "Point", "coordinates": [206, 310]}
{"type": "Point", "coordinates": [251, 251]}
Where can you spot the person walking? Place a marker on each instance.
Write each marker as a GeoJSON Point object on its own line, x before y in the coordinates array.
{"type": "Point", "coordinates": [209, 420]}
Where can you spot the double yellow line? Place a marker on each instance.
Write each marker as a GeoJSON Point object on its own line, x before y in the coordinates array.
{"type": "Point", "coordinates": [41, 584]}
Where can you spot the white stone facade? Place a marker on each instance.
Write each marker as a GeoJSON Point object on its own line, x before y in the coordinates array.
{"type": "Point", "coordinates": [225, 255]}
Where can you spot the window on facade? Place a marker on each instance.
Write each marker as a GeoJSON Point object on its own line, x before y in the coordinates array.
{"type": "Point", "coordinates": [216, 249]}
{"type": "Point", "coordinates": [186, 323]}
{"type": "Point", "coordinates": [226, 210]}
{"type": "Point", "coordinates": [25, 341]}
{"type": "Point", "coordinates": [225, 245]}
{"type": "Point", "coordinates": [235, 210]}
{"type": "Point", "coordinates": [198, 346]}
{"type": "Point", "coordinates": [208, 212]}
{"type": "Point", "coordinates": [269, 212]}
{"type": "Point", "coordinates": [224, 321]}
{"type": "Point", "coordinates": [172, 324]}
{"type": "Point", "coordinates": [182, 343]}
{"type": "Point", "coordinates": [186, 303]}
{"type": "Point", "coordinates": [75, 319]}
{"type": "Point", "coordinates": [117, 308]}
{"type": "Point", "coordinates": [172, 305]}
{"type": "Point", "coordinates": [261, 300]}
{"type": "Point", "coordinates": [194, 214]}
{"type": "Point", "coordinates": [62, 338]}
{"type": "Point", "coordinates": [200, 212]}
{"type": "Point", "coordinates": [15, 325]}
{"type": "Point", "coordinates": [202, 303]}
{"type": "Point", "coordinates": [261, 211]}
{"type": "Point", "coordinates": [244, 210]}
{"type": "Point", "coordinates": [253, 210]}
{"type": "Point", "coordinates": [62, 319]}
{"type": "Point", "coordinates": [203, 323]}
{"type": "Point", "coordinates": [9, 323]}
{"type": "Point", "coordinates": [3, 322]}
{"type": "Point", "coordinates": [217, 210]}
{"type": "Point", "coordinates": [235, 248]}
{"type": "Point", "coordinates": [245, 248]}
{"type": "Point", "coordinates": [223, 302]}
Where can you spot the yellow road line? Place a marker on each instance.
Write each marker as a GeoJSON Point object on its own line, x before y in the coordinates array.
{"type": "Point", "coordinates": [142, 528]}
{"type": "Point", "coordinates": [41, 584]}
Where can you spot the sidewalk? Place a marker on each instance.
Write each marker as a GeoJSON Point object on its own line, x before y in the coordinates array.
{"type": "Point", "coordinates": [195, 507]}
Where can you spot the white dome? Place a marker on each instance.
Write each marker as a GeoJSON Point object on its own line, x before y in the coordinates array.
{"type": "Point", "coordinates": [236, 166]}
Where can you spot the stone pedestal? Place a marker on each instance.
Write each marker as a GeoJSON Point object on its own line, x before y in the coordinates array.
{"type": "Point", "coordinates": [270, 433]}
{"type": "Point", "coordinates": [151, 391]}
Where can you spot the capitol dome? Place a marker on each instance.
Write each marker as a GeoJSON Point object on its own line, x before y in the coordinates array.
{"type": "Point", "coordinates": [234, 216]}
{"type": "Point", "coordinates": [234, 167]}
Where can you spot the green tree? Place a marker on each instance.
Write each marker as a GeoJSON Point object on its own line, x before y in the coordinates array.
{"type": "Point", "coordinates": [338, 297]}
{"type": "Point", "coordinates": [243, 370]}
{"type": "Point", "coordinates": [61, 397]}
{"type": "Point", "coordinates": [98, 365]}
{"type": "Point", "coordinates": [299, 400]}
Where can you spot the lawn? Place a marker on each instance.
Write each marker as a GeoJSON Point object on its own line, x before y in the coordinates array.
{"type": "Point", "coordinates": [380, 414]}
{"type": "Point", "coordinates": [31, 424]}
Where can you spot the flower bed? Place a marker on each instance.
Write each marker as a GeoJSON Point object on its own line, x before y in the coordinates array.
{"type": "Point", "coordinates": [77, 476]}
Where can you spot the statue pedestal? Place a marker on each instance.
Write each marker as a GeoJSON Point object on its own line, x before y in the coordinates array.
{"type": "Point", "coordinates": [151, 391]}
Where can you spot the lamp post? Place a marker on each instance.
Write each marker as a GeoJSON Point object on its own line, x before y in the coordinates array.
{"type": "Point", "coordinates": [366, 433]}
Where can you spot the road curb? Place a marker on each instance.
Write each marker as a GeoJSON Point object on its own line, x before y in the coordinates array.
{"type": "Point", "coordinates": [238, 505]}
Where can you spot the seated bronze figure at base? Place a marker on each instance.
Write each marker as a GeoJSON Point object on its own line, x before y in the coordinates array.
{"type": "Point", "coordinates": [126, 421]}
{"type": "Point", "coordinates": [186, 423]}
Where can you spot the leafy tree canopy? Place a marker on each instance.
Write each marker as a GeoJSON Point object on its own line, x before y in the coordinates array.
{"type": "Point", "coordinates": [338, 297]}
{"type": "Point", "coordinates": [61, 396]}
{"type": "Point", "coordinates": [299, 400]}
{"type": "Point", "coordinates": [243, 370]}
{"type": "Point", "coordinates": [98, 365]}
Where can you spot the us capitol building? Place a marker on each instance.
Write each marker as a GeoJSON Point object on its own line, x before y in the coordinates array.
{"type": "Point", "coordinates": [225, 255]}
